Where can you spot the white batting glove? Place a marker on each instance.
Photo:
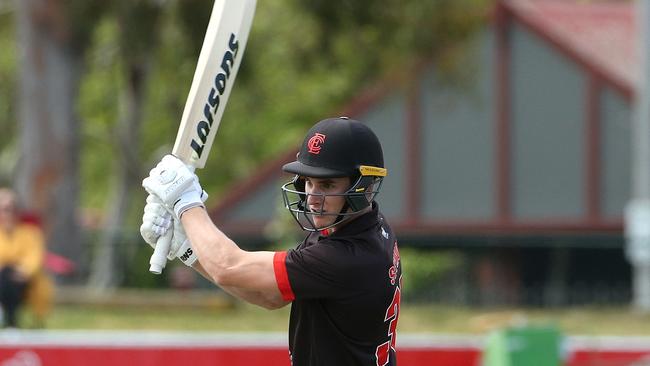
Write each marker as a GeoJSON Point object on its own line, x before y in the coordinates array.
{"type": "Point", "coordinates": [175, 185]}
{"type": "Point", "coordinates": [156, 221]}
{"type": "Point", "coordinates": [181, 246]}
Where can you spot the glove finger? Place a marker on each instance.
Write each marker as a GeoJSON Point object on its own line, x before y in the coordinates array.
{"type": "Point", "coordinates": [155, 220]}
{"type": "Point", "coordinates": [153, 199]}
{"type": "Point", "coordinates": [151, 231]}
{"type": "Point", "coordinates": [167, 221]}
{"type": "Point", "coordinates": [148, 234]}
{"type": "Point", "coordinates": [154, 175]}
{"type": "Point", "coordinates": [155, 171]}
{"type": "Point", "coordinates": [172, 161]}
{"type": "Point", "coordinates": [156, 209]}
{"type": "Point", "coordinates": [147, 184]}
{"type": "Point", "coordinates": [159, 229]}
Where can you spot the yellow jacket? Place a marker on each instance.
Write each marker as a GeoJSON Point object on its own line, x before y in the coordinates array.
{"type": "Point", "coordinates": [23, 248]}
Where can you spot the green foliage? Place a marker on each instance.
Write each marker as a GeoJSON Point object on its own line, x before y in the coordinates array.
{"type": "Point", "coordinates": [119, 57]}
{"type": "Point", "coordinates": [168, 88]}
{"type": "Point", "coordinates": [136, 275]}
{"type": "Point", "coordinates": [8, 97]}
{"type": "Point", "coordinates": [81, 25]}
{"type": "Point", "coordinates": [193, 17]}
{"type": "Point", "coordinates": [304, 60]}
{"type": "Point", "coordinates": [390, 35]}
{"type": "Point", "coordinates": [422, 270]}
{"type": "Point", "coordinates": [138, 24]}
{"type": "Point", "coordinates": [97, 104]}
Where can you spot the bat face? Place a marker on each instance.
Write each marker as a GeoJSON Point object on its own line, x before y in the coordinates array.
{"type": "Point", "coordinates": [213, 100]}
{"type": "Point", "coordinates": [217, 67]}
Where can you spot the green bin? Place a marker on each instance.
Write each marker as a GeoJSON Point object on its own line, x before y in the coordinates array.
{"type": "Point", "coordinates": [523, 346]}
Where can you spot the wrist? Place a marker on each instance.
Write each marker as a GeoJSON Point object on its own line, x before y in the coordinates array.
{"type": "Point", "coordinates": [187, 201]}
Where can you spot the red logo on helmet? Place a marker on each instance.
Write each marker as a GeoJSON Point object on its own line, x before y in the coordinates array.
{"type": "Point", "coordinates": [315, 142]}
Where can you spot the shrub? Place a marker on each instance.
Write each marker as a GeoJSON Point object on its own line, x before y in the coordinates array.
{"type": "Point", "coordinates": [423, 270]}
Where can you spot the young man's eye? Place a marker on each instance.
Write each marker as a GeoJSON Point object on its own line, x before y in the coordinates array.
{"type": "Point", "coordinates": [326, 186]}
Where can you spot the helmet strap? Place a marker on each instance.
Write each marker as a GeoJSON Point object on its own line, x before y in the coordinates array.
{"type": "Point", "coordinates": [357, 199]}
{"type": "Point", "coordinates": [341, 217]}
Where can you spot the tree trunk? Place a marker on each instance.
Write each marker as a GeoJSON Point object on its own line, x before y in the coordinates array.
{"type": "Point", "coordinates": [105, 272]}
{"type": "Point", "coordinates": [138, 34]}
{"type": "Point", "coordinates": [47, 173]}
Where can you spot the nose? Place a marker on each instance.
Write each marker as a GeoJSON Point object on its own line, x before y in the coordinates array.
{"type": "Point", "coordinates": [314, 198]}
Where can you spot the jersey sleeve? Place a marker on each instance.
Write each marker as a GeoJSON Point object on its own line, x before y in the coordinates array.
{"type": "Point", "coordinates": [281, 277]}
{"type": "Point", "coordinates": [327, 270]}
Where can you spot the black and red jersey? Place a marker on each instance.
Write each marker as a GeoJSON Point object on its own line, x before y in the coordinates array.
{"type": "Point", "coordinates": [345, 289]}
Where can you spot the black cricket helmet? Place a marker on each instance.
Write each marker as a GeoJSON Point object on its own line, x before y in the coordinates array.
{"type": "Point", "coordinates": [335, 148]}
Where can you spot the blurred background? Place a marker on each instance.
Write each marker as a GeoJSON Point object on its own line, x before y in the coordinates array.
{"type": "Point", "coordinates": [512, 133]}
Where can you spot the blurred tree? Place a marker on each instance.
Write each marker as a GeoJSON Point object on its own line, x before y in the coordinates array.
{"type": "Point", "coordinates": [8, 146]}
{"type": "Point", "coordinates": [52, 38]}
{"type": "Point", "coordinates": [391, 36]}
{"type": "Point", "coordinates": [132, 87]}
{"type": "Point", "coordinates": [138, 23]}
{"type": "Point", "coordinates": [304, 59]}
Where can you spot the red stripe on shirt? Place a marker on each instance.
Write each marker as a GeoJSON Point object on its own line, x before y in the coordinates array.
{"type": "Point", "coordinates": [281, 276]}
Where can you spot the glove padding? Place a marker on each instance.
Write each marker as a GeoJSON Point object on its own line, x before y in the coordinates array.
{"type": "Point", "coordinates": [175, 185]}
{"type": "Point", "coordinates": [183, 249]}
{"type": "Point", "coordinates": [156, 221]}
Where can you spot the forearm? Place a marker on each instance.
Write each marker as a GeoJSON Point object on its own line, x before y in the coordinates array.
{"type": "Point", "coordinates": [251, 296]}
{"type": "Point", "coordinates": [247, 275]}
{"type": "Point", "coordinates": [216, 252]}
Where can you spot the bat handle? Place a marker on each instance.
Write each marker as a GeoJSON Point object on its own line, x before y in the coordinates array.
{"type": "Point", "coordinates": [159, 257]}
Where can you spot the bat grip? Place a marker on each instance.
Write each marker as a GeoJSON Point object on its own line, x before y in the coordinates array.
{"type": "Point", "coordinates": [159, 257]}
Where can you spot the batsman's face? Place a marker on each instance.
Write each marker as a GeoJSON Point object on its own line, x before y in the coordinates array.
{"type": "Point", "coordinates": [322, 200]}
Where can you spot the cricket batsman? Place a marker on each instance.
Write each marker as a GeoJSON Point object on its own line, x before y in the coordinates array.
{"type": "Point", "coordinates": [343, 280]}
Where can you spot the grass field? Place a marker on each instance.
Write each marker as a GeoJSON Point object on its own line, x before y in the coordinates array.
{"type": "Point", "coordinates": [413, 319]}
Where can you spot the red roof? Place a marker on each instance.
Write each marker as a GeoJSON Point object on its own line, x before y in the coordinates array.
{"type": "Point", "coordinates": [601, 35]}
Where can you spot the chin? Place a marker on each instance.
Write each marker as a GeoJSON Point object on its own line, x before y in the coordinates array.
{"type": "Point", "coordinates": [322, 222]}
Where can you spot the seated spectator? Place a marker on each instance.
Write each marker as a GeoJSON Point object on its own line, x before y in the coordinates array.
{"type": "Point", "coordinates": [22, 253]}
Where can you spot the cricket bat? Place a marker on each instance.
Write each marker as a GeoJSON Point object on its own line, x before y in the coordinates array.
{"type": "Point", "coordinates": [219, 60]}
